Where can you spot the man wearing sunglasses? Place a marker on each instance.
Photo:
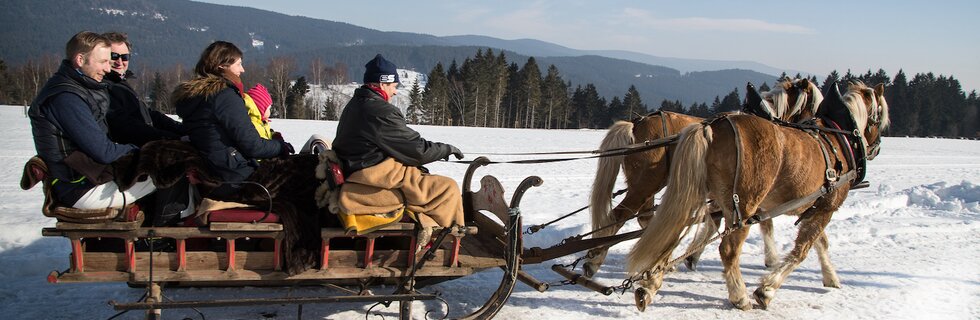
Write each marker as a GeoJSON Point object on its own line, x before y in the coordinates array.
{"type": "Point", "coordinates": [70, 131]}
{"type": "Point", "coordinates": [130, 120]}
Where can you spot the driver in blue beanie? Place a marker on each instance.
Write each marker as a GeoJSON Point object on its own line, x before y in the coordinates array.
{"type": "Point", "coordinates": [374, 141]}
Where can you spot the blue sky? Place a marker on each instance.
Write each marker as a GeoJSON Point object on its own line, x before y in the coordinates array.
{"type": "Point", "coordinates": [817, 36]}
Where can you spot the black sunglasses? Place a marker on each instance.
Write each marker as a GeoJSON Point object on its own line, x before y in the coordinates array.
{"type": "Point", "coordinates": [125, 56]}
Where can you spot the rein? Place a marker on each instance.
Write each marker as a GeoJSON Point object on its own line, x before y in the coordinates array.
{"type": "Point", "coordinates": [630, 149]}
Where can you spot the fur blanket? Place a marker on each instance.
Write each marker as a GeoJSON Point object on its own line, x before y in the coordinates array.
{"type": "Point", "coordinates": [391, 187]}
{"type": "Point", "coordinates": [291, 184]}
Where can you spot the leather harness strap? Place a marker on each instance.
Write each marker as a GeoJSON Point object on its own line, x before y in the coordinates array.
{"type": "Point", "coordinates": [738, 223]}
{"type": "Point", "coordinates": [795, 204]}
{"type": "Point", "coordinates": [663, 130]}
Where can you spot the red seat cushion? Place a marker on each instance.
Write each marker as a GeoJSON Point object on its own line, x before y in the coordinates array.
{"type": "Point", "coordinates": [242, 215]}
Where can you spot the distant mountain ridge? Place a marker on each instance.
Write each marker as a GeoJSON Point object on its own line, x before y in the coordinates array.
{"type": "Point", "coordinates": [547, 49]}
{"type": "Point", "coordinates": [169, 32]}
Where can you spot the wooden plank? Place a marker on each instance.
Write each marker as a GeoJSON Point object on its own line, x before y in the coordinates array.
{"type": "Point", "coordinates": [398, 228]}
{"type": "Point", "coordinates": [331, 274]}
{"type": "Point", "coordinates": [128, 225]}
{"type": "Point", "coordinates": [162, 232]}
{"type": "Point", "coordinates": [239, 226]}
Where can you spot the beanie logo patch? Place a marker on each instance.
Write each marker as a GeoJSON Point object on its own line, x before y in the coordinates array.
{"type": "Point", "coordinates": [387, 78]}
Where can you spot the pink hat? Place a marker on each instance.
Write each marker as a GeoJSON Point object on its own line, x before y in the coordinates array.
{"type": "Point", "coordinates": [261, 97]}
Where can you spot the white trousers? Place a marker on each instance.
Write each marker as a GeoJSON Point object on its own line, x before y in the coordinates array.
{"type": "Point", "coordinates": [107, 195]}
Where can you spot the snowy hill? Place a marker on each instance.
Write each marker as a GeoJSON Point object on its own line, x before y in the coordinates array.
{"type": "Point", "coordinates": [343, 92]}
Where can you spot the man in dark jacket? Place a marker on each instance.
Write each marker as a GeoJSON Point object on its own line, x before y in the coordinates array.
{"type": "Point", "coordinates": [379, 152]}
{"type": "Point", "coordinates": [372, 129]}
{"type": "Point", "coordinates": [130, 120]}
{"type": "Point", "coordinates": [70, 131]}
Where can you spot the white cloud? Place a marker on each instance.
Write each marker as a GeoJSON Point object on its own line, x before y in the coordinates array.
{"type": "Point", "coordinates": [640, 17]}
{"type": "Point", "coordinates": [532, 21]}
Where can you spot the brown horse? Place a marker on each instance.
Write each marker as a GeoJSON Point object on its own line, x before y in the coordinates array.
{"type": "Point", "coordinates": [774, 165]}
{"type": "Point", "coordinates": [646, 172]}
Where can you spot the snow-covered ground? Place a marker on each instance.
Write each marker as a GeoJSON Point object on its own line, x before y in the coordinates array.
{"type": "Point", "coordinates": [908, 247]}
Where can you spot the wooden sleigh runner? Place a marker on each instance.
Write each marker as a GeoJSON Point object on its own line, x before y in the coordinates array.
{"type": "Point", "coordinates": [229, 252]}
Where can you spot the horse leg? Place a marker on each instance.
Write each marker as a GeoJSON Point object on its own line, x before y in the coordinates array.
{"type": "Point", "coordinates": [810, 230]}
{"type": "Point", "coordinates": [772, 256]}
{"type": "Point", "coordinates": [649, 285]}
{"type": "Point", "coordinates": [634, 199]}
{"type": "Point", "coordinates": [830, 278]}
{"type": "Point", "coordinates": [730, 250]}
{"type": "Point", "coordinates": [705, 232]}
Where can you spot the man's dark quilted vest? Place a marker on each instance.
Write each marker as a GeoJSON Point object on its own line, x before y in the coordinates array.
{"type": "Point", "coordinates": [51, 143]}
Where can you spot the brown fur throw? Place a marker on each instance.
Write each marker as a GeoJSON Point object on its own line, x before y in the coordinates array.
{"type": "Point", "coordinates": [291, 182]}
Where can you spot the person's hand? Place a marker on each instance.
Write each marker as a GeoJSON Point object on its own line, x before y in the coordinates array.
{"type": "Point", "coordinates": [287, 149]}
{"type": "Point", "coordinates": [277, 136]}
{"type": "Point", "coordinates": [455, 152]}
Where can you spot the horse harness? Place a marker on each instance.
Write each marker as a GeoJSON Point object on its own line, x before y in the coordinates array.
{"type": "Point", "coordinates": [833, 178]}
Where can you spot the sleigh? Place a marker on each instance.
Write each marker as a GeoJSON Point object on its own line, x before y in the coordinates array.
{"type": "Point", "coordinates": [244, 248]}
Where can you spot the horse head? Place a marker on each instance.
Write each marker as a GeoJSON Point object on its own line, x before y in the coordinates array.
{"type": "Point", "coordinates": [870, 113]}
{"type": "Point", "coordinates": [878, 120]}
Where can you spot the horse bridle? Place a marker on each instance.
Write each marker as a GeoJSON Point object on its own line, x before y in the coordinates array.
{"type": "Point", "coordinates": [875, 121]}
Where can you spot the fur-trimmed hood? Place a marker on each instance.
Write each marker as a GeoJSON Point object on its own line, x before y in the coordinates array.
{"type": "Point", "coordinates": [200, 87]}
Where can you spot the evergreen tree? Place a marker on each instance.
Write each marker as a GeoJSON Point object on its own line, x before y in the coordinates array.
{"type": "Point", "coordinates": [633, 104]}
{"type": "Point", "coordinates": [730, 102]}
{"type": "Point", "coordinates": [615, 111]}
{"type": "Point", "coordinates": [296, 99]}
{"type": "Point", "coordinates": [414, 112]}
{"type": "Point", "coordinates": [715, 106]}
{"type": "Point", "coordinates": [457, 95]}
{"type": "Point", "coordinates": [329, 109]}
{"type": "Point", "coordinates": [530, 93]}
{"type": "Point", "coordinates": [699, 110]}
{"type": "Point", "coordinates": [498, 87]}
{"type": "Point", "coordinates": [4, 84]}
{"type": "Point", "coordinates": [833, 77]}
{"type": "Point", "coordinates": [765, 87]}
{"type": "Point", "coordinates": [588, 107]}
{"type": "Point", "coordinates": [435, 101]}
{"type": "Point", "coordinates": [672, 106]}
{"type": "Point", "coordinates": [511, 97]}
{"type": "Point", "coordinates": [555, 96]}
{"type": "Point", "coordinates": [903, 117]}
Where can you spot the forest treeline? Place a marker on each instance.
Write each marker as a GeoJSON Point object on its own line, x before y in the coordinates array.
{"type": "Point", "coordinates": [487, 90]}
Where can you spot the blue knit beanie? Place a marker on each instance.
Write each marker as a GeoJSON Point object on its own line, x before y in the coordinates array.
{"type": "Point", "coordinates": [379, 70]}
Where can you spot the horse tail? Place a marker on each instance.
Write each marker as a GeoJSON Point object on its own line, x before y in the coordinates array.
{"type": "Point", "coordinates": [620, 135]}
{"type": "Point", "coordinates": [680, 205]}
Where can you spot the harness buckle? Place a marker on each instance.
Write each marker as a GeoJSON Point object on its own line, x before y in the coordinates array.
{"type": "Point", "coordinates": [831, 175]}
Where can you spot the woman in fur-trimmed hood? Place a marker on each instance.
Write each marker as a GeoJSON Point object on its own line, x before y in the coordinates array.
{"type": "Point", "coordinates": [216, 119]}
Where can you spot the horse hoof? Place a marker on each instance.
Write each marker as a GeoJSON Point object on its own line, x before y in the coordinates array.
{"type": "Point", "coordinates": [742, 304]}
{"type": "Point", "coordinates": [771, 264]}
{"type": "Point", "coordinates": [691, 263]}
{"type": "Point", "coordinates": [832, 284]}
{"type": "Point", "coordinates": [643, 298]}
{"type": "Point", "coordinates": [763, 297]}
{"type": "Point", "coordinates": [589, 269]}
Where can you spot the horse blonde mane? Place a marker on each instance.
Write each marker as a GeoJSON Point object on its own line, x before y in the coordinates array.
{"type": "Point", "coordinates": [815, 99]}
{"type": "Point", "coordinates": [778, 99]}
{"type": "Point", "coordinates": [863, 102]}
